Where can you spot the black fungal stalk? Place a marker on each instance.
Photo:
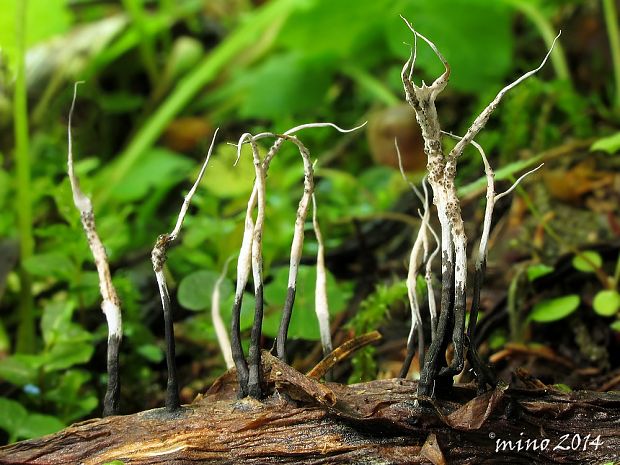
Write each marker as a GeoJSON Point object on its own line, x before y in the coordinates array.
{"type": "Point", "coordinates": [158, 258]}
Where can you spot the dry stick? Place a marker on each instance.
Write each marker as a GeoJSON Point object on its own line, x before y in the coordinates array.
{"type": "Point", "coordinates": [110, 304]}
{"type": "Point", "coordinates": [158, 258]}
{"type": "Point", "coordinates": [422, 99]}
{"type": "Point", "coordinates": [342, 352]}
{"type": "Point", "coordinates": [321, 305]}
{"type": "Point", "coordinates": [218, 323]}
{"type": "Point", "coordinates": [458, 235]}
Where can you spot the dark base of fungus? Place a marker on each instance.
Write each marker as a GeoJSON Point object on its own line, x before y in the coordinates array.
{"type": "Point", "coordinates": [113, 391]}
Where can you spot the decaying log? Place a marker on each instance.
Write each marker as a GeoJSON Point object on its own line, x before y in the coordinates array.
{"type": "Point", "coordinates": [304, 421]}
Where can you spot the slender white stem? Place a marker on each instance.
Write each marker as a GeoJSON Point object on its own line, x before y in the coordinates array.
{"type": "Point", "coordinates": [188, 198]}
{"type": "Point", "coordinates": [516, 183]}
{"type": "Point", "coordinates": [301, 127]}
{"type": "Point", "coordinates": [158, 258]}
{"type": "Point", "coordinates": [321, 305]}
{"type": "Point", "coordinates": [484, 116]}
{"type": "Point", "coordinates": [218, 323]}
{"type": "Point", "coordinates": [297, 244]}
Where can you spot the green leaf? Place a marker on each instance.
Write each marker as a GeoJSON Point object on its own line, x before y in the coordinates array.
{"type": "Point", "coordinates": [157, 167]}
{"type": "Point", "coordinates": [486, 27]}
{"type": "Point", "coordinates": [226, 181]}
{"type": "Point", "coordinates": [44, 18]}
{"type": "Point", "coordinates": [285, 85]}
{"type": "Point", "coordinates": [538, 270]}
{"type": "Point", "coordinates": [196, 289]}
{"type": "Point", "coordinates": [66, 354]}
{"type": "Point", "coordinates": [606, 302]}
{"type": "Point", "coordinates": [56, 320]}
{"type": "Point", "coordinates": [121, 102]}
{"type": "Point", "coordinates": [304, 324]}
{"type": "Point", "coordinates": [615, 326]}
{"type": "Point", "coordinates": [20, 369]}
{"type": "Point", "coordinates": [13, 415]}
{"type": "Point", "coordinates": [72, 395]}
{"type": "Point", "coordinates": [554, 309]}
{"type": "Point", "coordinates": [497, 339]}
{"type": "Point", "coordinates": [609, 144]}
{"type": "Point", "coordinates": [37, 425]}
{"type": "Point", "coordinates": [151, 352]}
{"type": "Point", "coordinates": [563, 387]}
{"type": "Point", "coordinates": [185, 54]}
{"type": "Point", "coordinates": [5, 341]}
{"type": "Point", "coordinates": [588, 261]}
{"type": "Point", "coordinates": [328, 27]}
{"type": "Point", "coordinates": [54, 264]}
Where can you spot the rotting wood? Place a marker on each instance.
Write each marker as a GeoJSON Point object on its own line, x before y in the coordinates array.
{"type": "Point", "coordinates": [304, 421]}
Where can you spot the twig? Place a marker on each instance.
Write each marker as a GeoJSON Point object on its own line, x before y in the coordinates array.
{"type": "Point", "coordinates": [342, 352]}
{"type": "Point", "coordinates": [158, 258]}
{"type": "Point", "coordinates": [110, 304]}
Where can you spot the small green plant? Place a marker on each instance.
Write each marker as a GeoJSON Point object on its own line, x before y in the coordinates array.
{"type": "Point", "coordinates": [373, 312]}
{"type": "Point", "coordinates": [606, 301]}
{"type": "Point", "coordinates": [19, 423]}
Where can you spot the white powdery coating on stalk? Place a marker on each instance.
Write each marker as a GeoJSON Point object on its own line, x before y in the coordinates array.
{"type": "Point", "coordinates": [446, 248]}
{"type": "Point", "coordinates": [244, 262]}
{"type": "Point", "coordinates": [491, 198]}
{"type": "Point", "coordinates": [460, 261]}
{"type": "Point", "coordinates": [257, 248]}
{"type": "Point", "coordinates": [163, 287]}
{"type": "Point", "coordinates": [302, 212]}
{"type": "Point", "coordinates": [321, 305]}
{"type": "Point", "coordinates": [112, 314]}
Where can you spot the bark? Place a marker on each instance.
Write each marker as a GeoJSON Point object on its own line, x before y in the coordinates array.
{"type": "Point", "coordinates": [304, 421]}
